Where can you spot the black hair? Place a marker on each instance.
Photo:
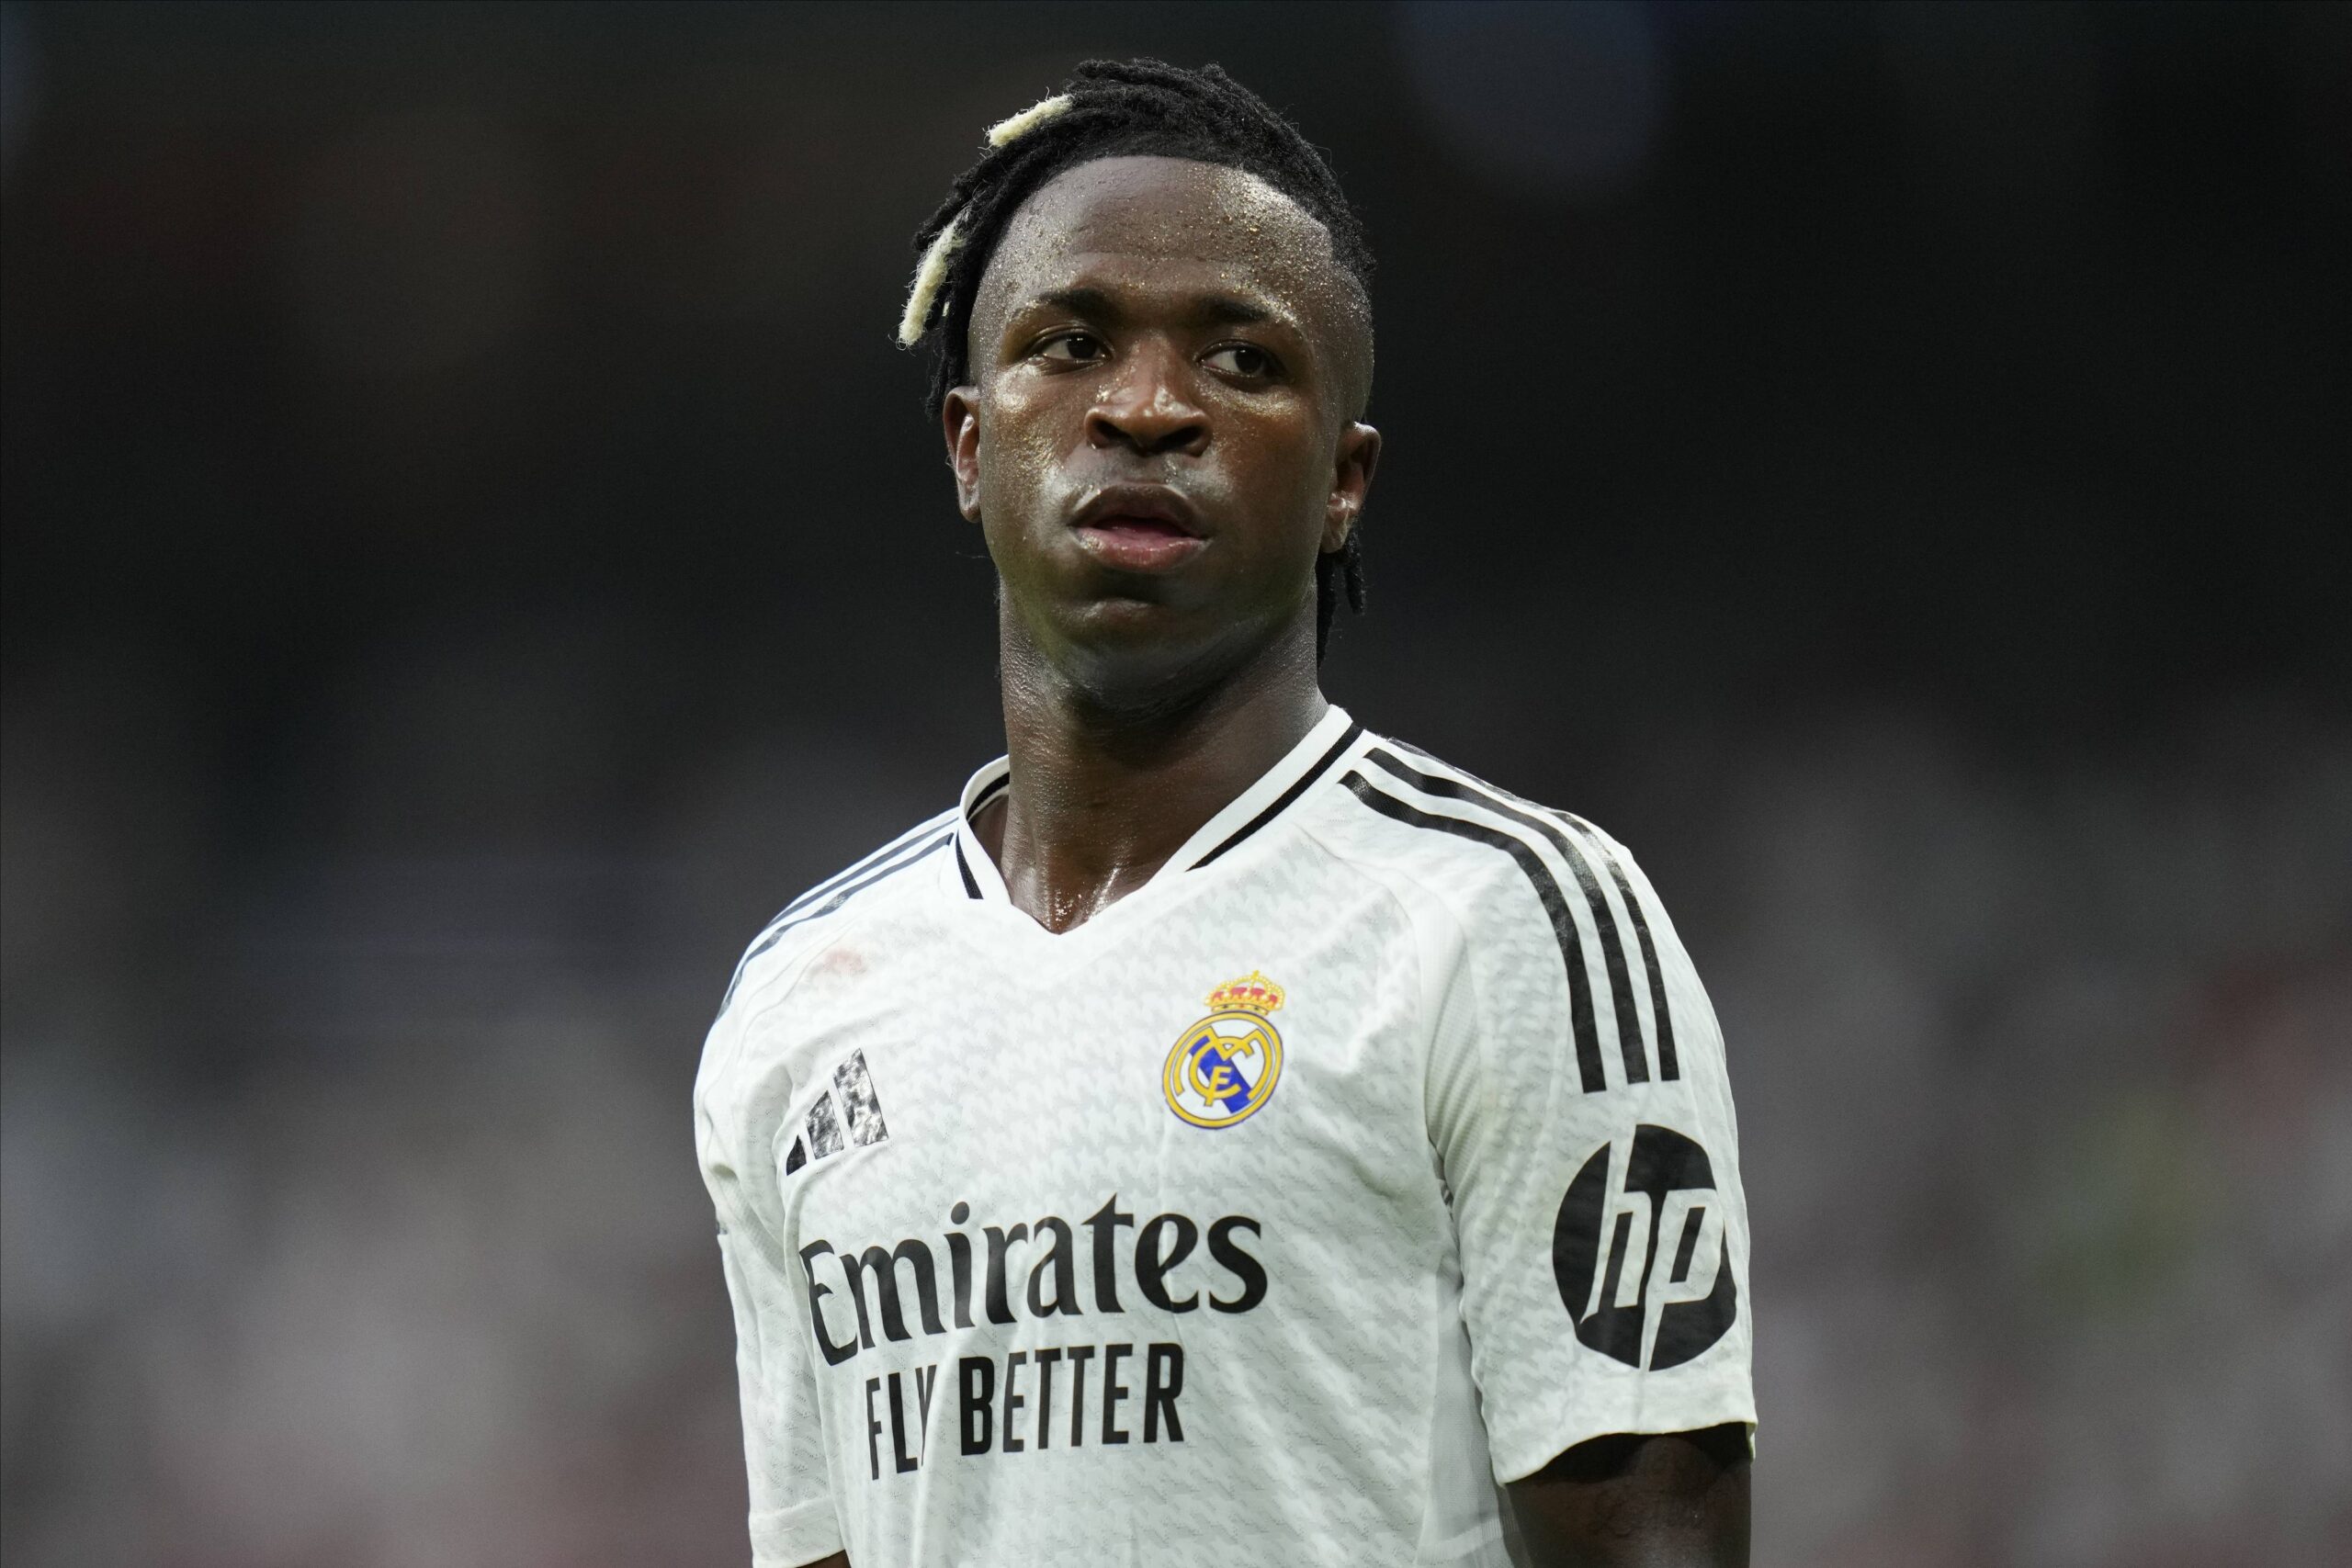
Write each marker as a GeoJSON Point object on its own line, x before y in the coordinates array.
{"type": "Point", "coordinates": [1117, 108]}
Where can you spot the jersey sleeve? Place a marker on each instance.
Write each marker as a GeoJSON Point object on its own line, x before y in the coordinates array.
{"type": "Point", "coordinates": [1584, 1128]}
{"type": "Point", "coordinates": [793, 1519]}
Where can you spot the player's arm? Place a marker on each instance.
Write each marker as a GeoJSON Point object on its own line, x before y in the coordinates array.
{"type": "Point", "coordinates": [840, 1559]}
{"type": "Point", "coordinates": [792, 1518]}
{"type": "Point", "coordinates": [1582, 1111]}
{"type": "Point", "coordinates": [1674, 1501]}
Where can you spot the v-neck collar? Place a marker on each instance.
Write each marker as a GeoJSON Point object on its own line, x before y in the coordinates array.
{"type": "Point", "coordinates": [1315, 759]}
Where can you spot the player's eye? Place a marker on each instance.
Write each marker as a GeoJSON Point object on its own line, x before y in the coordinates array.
{"type": "Point", "coordinates": [1246, 360]}
{"type": "Point", "coordinates": [1080, 348]}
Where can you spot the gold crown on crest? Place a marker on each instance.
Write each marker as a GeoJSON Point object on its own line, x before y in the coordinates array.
{"type": "Point", "coordinates": [1251, 993]}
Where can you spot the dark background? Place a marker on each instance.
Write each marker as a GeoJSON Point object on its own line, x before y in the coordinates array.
{"type": "Point", "coordinates": [473, 553]}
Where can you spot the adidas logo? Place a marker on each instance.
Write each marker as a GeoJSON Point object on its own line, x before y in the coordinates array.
{"type": "Point", "coordinates": [848, 1112]}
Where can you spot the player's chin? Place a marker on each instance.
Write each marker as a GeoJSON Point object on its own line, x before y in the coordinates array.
{"type": "Point", "coordinates": [1137, 643]}
{"type": "Point", "coordinates": [1115, 597]}
{"type": "Point", "coordinates": [1133, 622]}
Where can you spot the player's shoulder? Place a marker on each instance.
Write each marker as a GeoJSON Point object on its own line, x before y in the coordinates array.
{"type": "Point", "coordinates": [1405, 813]}
{"type": "Point", "coordinates": [865, 886]}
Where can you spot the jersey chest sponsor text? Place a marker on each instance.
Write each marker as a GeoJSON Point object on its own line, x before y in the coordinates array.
{"type": "Point", "coordinates": [1016, 1402]}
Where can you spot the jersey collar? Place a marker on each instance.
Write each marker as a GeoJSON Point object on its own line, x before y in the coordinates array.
{"type": "Point", "coordinates": [1316, 758]}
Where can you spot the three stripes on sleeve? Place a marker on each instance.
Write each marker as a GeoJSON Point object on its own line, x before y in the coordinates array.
{"type": "Point", "coordinates": [1580, 848]}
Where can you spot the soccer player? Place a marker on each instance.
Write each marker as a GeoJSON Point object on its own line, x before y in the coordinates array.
{"type": "Point", "coordinates": [1227, 1135]}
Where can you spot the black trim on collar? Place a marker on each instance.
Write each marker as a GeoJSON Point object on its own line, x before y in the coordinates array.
{"type": "Point", "coordinates": [1281, 802]}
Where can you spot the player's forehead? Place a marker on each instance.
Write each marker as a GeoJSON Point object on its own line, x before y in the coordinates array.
{"type": "Point", "coordinates": [1155, 221]}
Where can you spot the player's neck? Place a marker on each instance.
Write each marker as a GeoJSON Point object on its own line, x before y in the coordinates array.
{"type": "Point", "coordinates": [1101, 794]}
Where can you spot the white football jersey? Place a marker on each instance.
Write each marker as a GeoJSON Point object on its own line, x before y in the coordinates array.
{"type": "Point", "coordinates": [1375, 1151]}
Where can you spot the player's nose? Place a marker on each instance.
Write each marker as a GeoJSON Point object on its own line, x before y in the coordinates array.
{"type": "Point", "coordinates": [1146, 404]}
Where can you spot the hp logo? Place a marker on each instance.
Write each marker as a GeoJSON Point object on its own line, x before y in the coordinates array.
{"type": "Point", "coordinates": [1639, 1252]}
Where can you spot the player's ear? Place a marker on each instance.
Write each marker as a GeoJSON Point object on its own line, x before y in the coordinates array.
{"type": "Point", "coordinates": [960, 418]}
{"type": "Point", "coordinates": [1351, 471]}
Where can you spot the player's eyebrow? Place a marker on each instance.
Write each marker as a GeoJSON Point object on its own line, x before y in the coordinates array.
{"type": "Point", "coordinates": [1078, 301]}
{"type": "Point", "coordinates": [1230, 311]}
{"type": "Point", "coordinates": [1213, 309]}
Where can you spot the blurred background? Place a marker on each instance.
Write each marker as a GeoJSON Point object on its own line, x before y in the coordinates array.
{"type": "Point", "coordinates": [473, 553]}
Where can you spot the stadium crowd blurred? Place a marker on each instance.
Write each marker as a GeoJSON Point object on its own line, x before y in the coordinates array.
{"type": "Point", "coordinates": [471, 554]}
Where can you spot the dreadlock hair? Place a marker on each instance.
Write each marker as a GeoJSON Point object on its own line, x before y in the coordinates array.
{"type": "Point", "coordinates": [1118, 109]}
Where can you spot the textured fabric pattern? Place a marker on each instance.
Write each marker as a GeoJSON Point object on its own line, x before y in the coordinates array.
{"type": "Point", "coordinates": [1037, 1316]}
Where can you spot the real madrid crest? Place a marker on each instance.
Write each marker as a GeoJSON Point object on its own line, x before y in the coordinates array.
{"type": "Point", "coordinates": [1225, 1067]}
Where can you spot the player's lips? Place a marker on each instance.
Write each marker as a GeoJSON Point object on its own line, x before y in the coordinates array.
{"type": "Point", "coordinates": [1140, 528]}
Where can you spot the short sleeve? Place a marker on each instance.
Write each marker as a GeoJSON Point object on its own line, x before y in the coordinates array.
{"type": "Point", "coordinates": [793, 1519]}
{"type": "Point", "coordinates": [1583, 1123]}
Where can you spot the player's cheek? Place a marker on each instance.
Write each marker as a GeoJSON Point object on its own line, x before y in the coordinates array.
{"type": "Point", "coordinates": [1020, 451]}
{"type": "Point", "coordinates": [1281, 461]}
